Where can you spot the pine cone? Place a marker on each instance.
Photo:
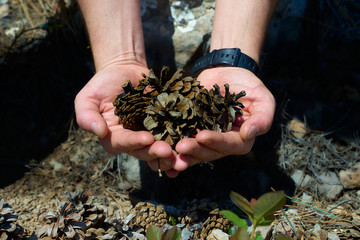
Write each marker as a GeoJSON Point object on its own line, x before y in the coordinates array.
{"type": "Point", "coordinates": [147, 214]}
{"type": "Point", "coordinates": [91, 214]}
{"type": "Point", "coordinates": [217, 112]}
{"type": "Point", "coordinates": [175, 108]}
{"type": "Point", "coordinates": [130, 106]}
{"type": "Point", "coordinates": [8, 228]}
{"type": "Point", "coordinates": [63, 225]}
{"type": "Point", "coordinates": [214, 221]}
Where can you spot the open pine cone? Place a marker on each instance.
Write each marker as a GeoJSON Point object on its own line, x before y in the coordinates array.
{"type": "Point", "coordinates": [63, 225]}
{"type": "Point", "coordinates": [8, 228]}
{"type": "Point", "coordinates": [91, 215]}
{"type": "Point", "coordinates": [175, 108]}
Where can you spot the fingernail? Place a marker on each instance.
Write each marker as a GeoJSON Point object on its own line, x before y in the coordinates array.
{"type": "Point", "coordinates": [252, 132]}
{"type": "Point", "coordinates": [94, 128]}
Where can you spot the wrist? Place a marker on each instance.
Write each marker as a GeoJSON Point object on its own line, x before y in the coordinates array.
{"type": "Point", "coordinates": [230, 57]}
{"type": "Point", "coordinates": [123, 58]}
{"type": "Point", "coordinates": [241, 24]}
{"type": "Point", "coordinates": [115, 31]}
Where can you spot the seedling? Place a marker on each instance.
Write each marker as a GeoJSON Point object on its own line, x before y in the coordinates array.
{"type": "Point", "coordinates": [260, 213]}
{"type": "Point", "coordinates": [156, 233]}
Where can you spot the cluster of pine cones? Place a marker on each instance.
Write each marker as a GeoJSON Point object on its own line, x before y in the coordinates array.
{"type": "Point", "coordinates": [74, 217]}
{"type": "Point", "coordinates": [176, 107]}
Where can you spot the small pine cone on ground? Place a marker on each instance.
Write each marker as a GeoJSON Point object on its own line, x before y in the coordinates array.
{"type": "Point", "coordinates": [63, 225]}
{"type": "Point", "coordinates": [214, 221]}
{"type": "Point", "coordinates": [8, 227]}
{"type": "Point", "coordinates": [147, 214]}
{"type": "Point", "coordinates": [91, 215]}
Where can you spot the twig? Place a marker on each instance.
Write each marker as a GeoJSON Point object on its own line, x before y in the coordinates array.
{"type": "Point", "coordinates": [118, 168]}
{"type": "Point", "coordinates": [110, 193]}
{"type": "Point", "coordinates": [318, 209]}
{"type": "Point", "coordinates": [27, 13]}
{"type": "Point", "coordinates": [293, 228]}
{"type": "Point", "coordinates": [40, 14]}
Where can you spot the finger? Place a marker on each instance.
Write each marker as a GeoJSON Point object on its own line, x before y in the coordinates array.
{"type": "Point", "coordinates": [228, 143]}
{"type": "Point", "coordinates": [88, 115]}
{"type": "Point", "coordinates": [172, 173]}
{"type": "Point", "coordinates": [191, 147]}
{"type": "Point", "coordinates": [158, 149]}
{"type": "Point", "coordinates": [259, 123]}
{"type": "Point", "coordinates": [260, 119]}
{"type": "Point", "coordinates": [184, 161]}
{"type": "Point", "coordinates": [119, 140]}
{"type": "Point", "coordinates": [159, 164]}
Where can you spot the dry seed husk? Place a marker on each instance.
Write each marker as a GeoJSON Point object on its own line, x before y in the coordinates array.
{"type": "Point", "coordinates": [63, 225]}
{"type": "Point", "coordinates": [176, 107]}
{"type": "Point", "coordinates": [91, 215]}
{"type": "Point", "coordinates": [8, 227]}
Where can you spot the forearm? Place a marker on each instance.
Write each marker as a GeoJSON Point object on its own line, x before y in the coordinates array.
{"type": "Point", "coordinates": [241, 24]}
{"type": "Point", "coordinates": [115, 31]}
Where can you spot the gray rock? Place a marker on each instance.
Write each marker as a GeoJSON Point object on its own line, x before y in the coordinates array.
{"type": "Point", "coordinates": [186, 234]}
{"type": "Point", "coordinates": [333, 236]}
{"type": "Point", "coordinates": [191, 25]}
{"type": "Point", "coordinates": [264, 231]}
{"type": "Point", "coordinates": [217, 234]}
{"type": "Point", "coordinates": [330, 185]}
{"type": "Point", "coordinates": [131, 169]}
{"type": "Point", "coordinates": [306, 198]}
{"type": "Point", "coordinates": [300, 178]}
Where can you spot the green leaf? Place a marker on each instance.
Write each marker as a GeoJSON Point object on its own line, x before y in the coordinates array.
{"type": "Point", "coordinates": [258, 236]}
{"type": "Point", "coordinates": [243, 204]}
{"type": "Point", "coordinates": [241, 223]}
{"type": "Point", "coordinates": [154, 233]}
{"type": "Point", "coordinates": [172, 234]}
{"type": "Point", "coordinates": [268, 203]}
{"type": "Point", "coordinates": [240, 234]}
{"type": "Point", "coordinates": [266, 220]}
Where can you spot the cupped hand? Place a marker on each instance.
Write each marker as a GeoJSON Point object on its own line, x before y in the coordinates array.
{"type": "Point", "coordinates": [256, 119]}
{"type": "Point", "coordinates": [95, 113]}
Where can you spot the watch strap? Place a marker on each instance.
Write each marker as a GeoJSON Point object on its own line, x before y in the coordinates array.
{"type": "Point", "coordinates": [226, 57]}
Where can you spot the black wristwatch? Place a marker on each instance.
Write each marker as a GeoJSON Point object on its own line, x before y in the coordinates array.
{"type": "Point", "coordinates": [226, 57]}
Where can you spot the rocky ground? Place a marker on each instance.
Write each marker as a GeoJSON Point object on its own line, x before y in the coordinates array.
{"type": "Point", "coordinates": [322, 203]}
{"type": "Point", "coordinates": [312, 152]}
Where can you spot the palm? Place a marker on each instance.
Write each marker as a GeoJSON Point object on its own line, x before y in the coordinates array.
{"type": "Point", "coordinates": [256, 120]}
{"type": "Point", "coordinates": [107, 84]}
{"type": "Point", "coordinates": [258, 97]}
{"type": "Point", "coordinates": [95, 113]}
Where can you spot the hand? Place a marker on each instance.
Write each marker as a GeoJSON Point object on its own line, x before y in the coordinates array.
{"type": "Point", "coordinates": [256, 120]}
{"type": "Point", "coordinates": [95, 113]}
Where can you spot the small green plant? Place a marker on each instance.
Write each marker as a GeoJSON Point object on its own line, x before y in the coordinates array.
{"type": "Point", "coordinates": [260, 213]}
{"type": "Point", "coordinates": [156, 233]}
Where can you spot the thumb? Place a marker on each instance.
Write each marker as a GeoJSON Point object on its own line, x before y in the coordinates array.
{"type": "Point", "coordinates": [88, 116]}
{"type": "Point", "coordinates": [257, 124]}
